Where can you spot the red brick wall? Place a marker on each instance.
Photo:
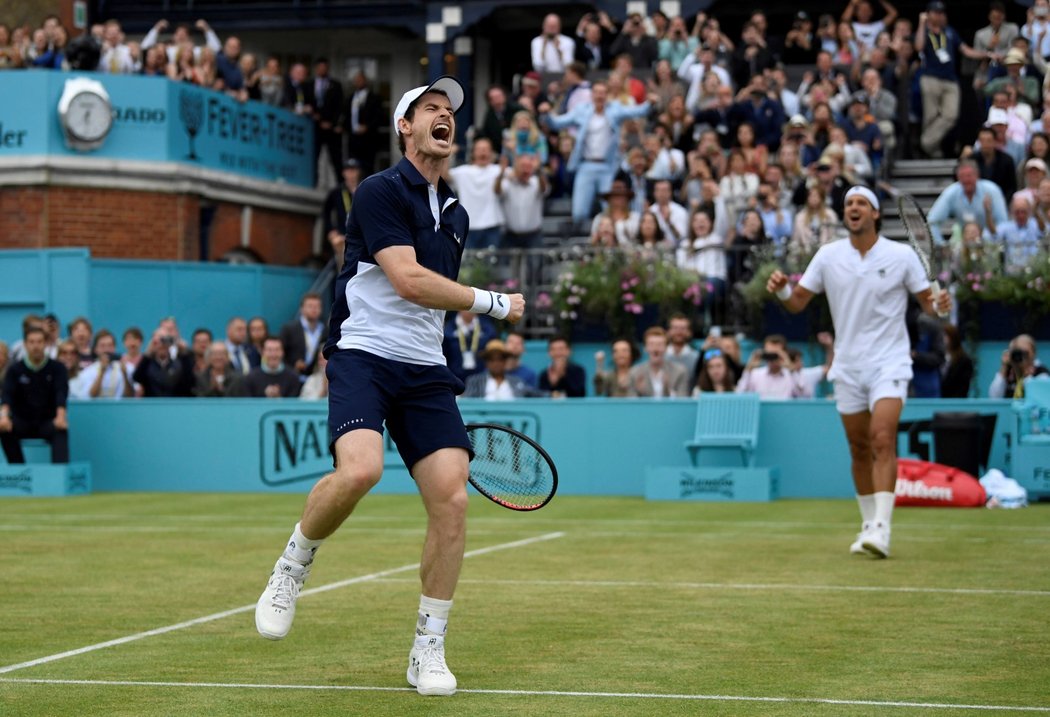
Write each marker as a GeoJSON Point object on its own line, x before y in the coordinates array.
{"type": "Point", "coordinates": [115, 223]}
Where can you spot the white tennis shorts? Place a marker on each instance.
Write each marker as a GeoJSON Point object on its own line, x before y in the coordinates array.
{"type": "Point", "coordinates": [857, 390]}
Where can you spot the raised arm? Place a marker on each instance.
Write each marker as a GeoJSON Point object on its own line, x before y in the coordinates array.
{"type": "Point", "coordinates": [794, 299]}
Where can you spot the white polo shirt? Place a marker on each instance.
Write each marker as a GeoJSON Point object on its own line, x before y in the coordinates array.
{"type": "Point", "coordinates": [868, 296]}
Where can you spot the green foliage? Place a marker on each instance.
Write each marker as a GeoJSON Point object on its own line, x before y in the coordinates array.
{"type": "Point", "coordinates": [1027, 290]}
{"type": "Point", "coordinates": [614, 287]}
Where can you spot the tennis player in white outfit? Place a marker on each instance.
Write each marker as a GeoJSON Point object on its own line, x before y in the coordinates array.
{"type": "Point", "coordinates": [867, 280]}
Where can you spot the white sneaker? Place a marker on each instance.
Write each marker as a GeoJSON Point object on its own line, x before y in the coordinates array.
{"type": "Point", "coordinates": [276, 607]}
{"type": "Point", "coordinates": [857, 546]}
{"type": "Point", "coordinates": [427, 671]}
{"type": "Point", "coordinates": [877, 541]}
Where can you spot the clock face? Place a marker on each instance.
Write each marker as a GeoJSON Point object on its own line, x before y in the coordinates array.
{"type": "Point", "coordinates": [89, 116]}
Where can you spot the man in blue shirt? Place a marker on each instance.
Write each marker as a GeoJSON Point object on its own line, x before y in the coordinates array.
{"type": "Point", "coordinates": [968, 200]}
{"type": "Point", "coordinates": [1020, 236]}
{"type": "Point", "coordinates": [405, 239]}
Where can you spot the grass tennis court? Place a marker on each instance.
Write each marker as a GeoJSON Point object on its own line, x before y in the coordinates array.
{"type": "Point", "coordinates": [591, 606]}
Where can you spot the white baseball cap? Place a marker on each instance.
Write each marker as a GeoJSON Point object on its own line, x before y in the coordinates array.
{"type": "Point", "coordinates": [446, 84]}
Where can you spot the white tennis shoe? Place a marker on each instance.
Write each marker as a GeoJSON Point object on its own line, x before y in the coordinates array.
{"type": "Point", "coordinates": [276, 607]}
{"type": "Point", "coordinates": [877, 541]}
{"type": "Point", "coordinates": [857, 546]}
{"type": "Point", "coordinates": [427, 671]}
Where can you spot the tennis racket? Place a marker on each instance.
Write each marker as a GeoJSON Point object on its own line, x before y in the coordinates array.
{"type": "Point", "coordinates": [509, 468]}
{"type": "Point", "coordinates": [921, 240]}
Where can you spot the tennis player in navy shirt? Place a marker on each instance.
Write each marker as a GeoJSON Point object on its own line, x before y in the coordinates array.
{"type": "Point", "coordinates": [405, 239]}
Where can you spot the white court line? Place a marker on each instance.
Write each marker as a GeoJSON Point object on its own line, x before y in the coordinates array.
{"type": "Point", "coordinates": [753, 586]}
{"type": "Point", "coordinates": [539, 693]}
{"type": "Point", "coordinates": [247, 608]}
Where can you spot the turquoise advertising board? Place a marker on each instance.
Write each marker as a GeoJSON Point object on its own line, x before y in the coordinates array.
{"type": "Point", "coordinates": [157, 120]}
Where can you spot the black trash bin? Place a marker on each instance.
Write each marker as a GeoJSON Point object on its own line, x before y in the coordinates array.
{"type": "Point", "coordinates": [957, 440]}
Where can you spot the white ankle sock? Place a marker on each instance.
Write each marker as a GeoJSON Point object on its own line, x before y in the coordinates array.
{"type": "Point", "coordinates": [867, 507]}
{"type": "Point", "coordinates": [433, 616]}
{"type": "Point", "coordinates": [300, 548]}
{"type": "Point", "coordinates": [884, 507]}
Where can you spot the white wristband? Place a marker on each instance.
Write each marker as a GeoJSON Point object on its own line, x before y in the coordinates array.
{"type": "Point", "coordinates": [784, 293]}
{"type": "Point", "coordinates": [493, 303]}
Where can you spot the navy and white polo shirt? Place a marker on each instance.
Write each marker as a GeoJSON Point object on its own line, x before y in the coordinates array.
{"type": "Point", "coordinates": [391, 208]}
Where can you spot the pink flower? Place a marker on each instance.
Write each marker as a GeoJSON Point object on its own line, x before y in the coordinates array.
{"type": "Point", "coordinates": [512, 284]}
{"type": "Point", "coordinates": [543, 300]}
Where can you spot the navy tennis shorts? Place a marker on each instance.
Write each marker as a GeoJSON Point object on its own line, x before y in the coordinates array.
{"type": "Point", "coordinates": [418, 403]}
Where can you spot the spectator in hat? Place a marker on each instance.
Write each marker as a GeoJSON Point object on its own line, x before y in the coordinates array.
{"type": "Point", "coordinates": [475, 186]}
{"type": "Point", "coordinates": [619, 212]}
{"type": "Point", "coordinates": [362, 118]}
{"type": "Point", "coordinates": [337, 208]}
{"type": "Point", "coordinates": [1019, 236]}
{"type": "Point", "coordinates": [999, 121]}
{"type": "Point", "coordinates": [531, 95]}
{"type": "Point", "coordinates": [968, 196]}
{"type": "Point", "coordinates": [1028, 88]}
{"type": "Point", "coordinates": [551, 51]}
{"type": "Point", "coordinates": [1035, 171]}
{"type": "Point", "coordinates": [993, 163]}
{"type": "Point", "coordinates": [859, 14]}
{"type": "Point", "coordinates": [494, 383]}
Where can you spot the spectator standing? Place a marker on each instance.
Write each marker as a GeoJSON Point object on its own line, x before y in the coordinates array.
{"type": "Point", "coordinates": [298, 91]}
{"type": "Point", "coordinates": [938, 45]}
{"type": "Point", "coordinates": [515, 343]}
{"type": "Point", "coordinates": [303, 337]}
{"type": "Point", "coordinates": [181, 38]}
{"type": "Point", "coordinates": [272, 379]}
{"type": "Point", "coordinates": [994, 40]}
{"type": "Point", "coordinates": [165, 371]}
{"type": "Point", "coordinates": [966, 198]}
{"type": "Point", "coordinates": [656, 377]}
{"type": "Point", "coordinates": [475, 185]}
{"type": "Point", "coordinates": [752, 57]}
{"type": "Point", "coordinates": [616, 382]}
{"type": "Point", "coordinates": [859, 14]}
{"type": "Point", "coordinates": [1036, 29]}
{"type": "Point", "coordinates": [218, 378]}
{"type": "Point", "coordinates": [551, 51]}
{"type": "Point", "coordinates": [633, 40]}
{"type": "Point", "coordinates": [271, 83]}
{"type": "Point", "coordinates": [33, 402]}
{"type": "Point", "coordinates": [777, 221]}
{"type": "Point", "coordinates": [800, 43]}
{"type": "Point", "coordinates": [524, 137]}
{"type": "Point", "coordinates": [494, 383]}
{"type": "Point", "coordinates": [362, 119]}
{"type": "Point", "coordinates": [593, 41]}
{"type": "Point", "coordinates": [704, 253]}
{"type": "Point", "coordinates": [672, 216]}
{"type": "Point", "coordinates": [957, 372]}
{"type": "Point", "coordinates": [620, 212]}
{"type": "Point", "coordinates": [562, 378]}
{"type": "Point", "coordinates": [337, 207]}
{"type": "Point", "coordinates": [328, 115]}
{"type": "Point", "coordinates": [116, 58]}
{"type": "Point", "coordinates": [596, 155]}
{"type": "Point", "coordinates": [497, 117]}
{"type": "Point", "coordinates": [678, 44]}
{"type": "Point", "coordinates": [521, 192]}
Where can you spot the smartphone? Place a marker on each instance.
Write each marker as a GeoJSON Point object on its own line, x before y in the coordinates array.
{"type": "Point", "coordinates": [716, 332]}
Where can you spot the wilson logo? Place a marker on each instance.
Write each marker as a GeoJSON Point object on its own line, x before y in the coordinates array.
{"type": "Point", "coordinates": [919, 489]}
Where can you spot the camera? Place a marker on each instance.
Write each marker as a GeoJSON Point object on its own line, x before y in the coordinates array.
{"type": "Point", "coordinates": [1018, 356]}
{"type": "Point", "coordinates": [167, 340]}
{"type": "Point", "coordinates": [770, 356]}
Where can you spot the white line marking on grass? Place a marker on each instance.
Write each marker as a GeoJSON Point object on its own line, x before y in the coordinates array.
{"type": "Point", "coordinates": [539, 693]}
{"type": "Point", "coordinates": [753, 586]}
{"type": "Point", "coordinates": [247, 608]}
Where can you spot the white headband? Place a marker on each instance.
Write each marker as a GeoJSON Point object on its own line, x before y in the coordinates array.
{"type": "Point", "coordinates": [866, 193]}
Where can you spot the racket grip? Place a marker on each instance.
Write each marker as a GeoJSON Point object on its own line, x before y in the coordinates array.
{"type": "Point", "coordinates": [935, 287]}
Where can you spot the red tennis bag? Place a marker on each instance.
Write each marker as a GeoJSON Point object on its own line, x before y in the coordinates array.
{"type": "Point", "coordinates": [931, 484]}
